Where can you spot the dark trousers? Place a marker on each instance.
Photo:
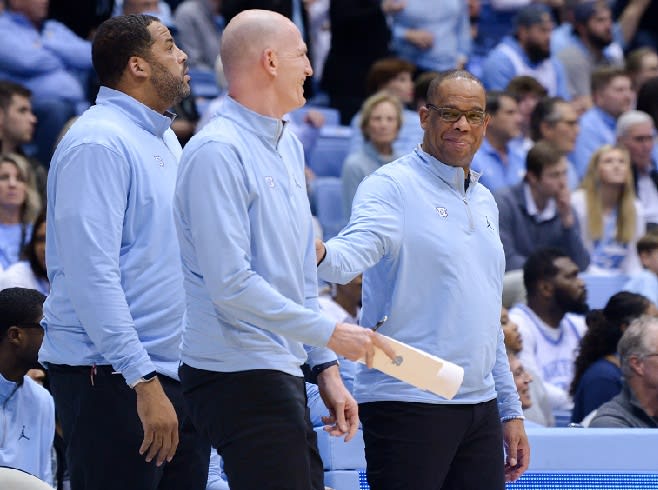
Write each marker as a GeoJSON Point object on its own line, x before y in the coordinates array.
{"type": "Point", "coordinates": [433, 447]}
{"type": "Point", "coordinates": [103, 433]}
{"type": "Point", "coordinates": [259, 423]}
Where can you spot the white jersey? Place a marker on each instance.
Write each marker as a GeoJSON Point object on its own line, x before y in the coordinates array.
{"type": "Point", "coordinates": [550, 352]}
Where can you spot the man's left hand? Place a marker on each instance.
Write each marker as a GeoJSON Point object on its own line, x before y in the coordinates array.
{"type": "Point", "coordinates": [517, 449]}
{"type": "Point", "coordinates": [343, 418]}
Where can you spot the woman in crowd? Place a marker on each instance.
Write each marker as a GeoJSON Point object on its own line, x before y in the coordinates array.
{"type": "Point", "coordinates": [381, 119]}
{"type": "Point", "coordinates": [19, 206]}
{"type": "Point", "coordinates": [598, 375]}
{"type": "Point", "coordinates": [609, 214]}
{"type": "Point", "coordinates": [30, 272]}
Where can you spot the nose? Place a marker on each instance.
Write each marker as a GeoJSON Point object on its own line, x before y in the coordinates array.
{"type": "Point", "coordinates": [462, 123]}
{"type": "Point", "coordinates": [309, 69]}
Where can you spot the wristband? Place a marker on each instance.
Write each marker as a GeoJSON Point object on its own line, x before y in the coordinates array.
{"type": "Point", "coordinates": [144, 379]}
{"type": "Point", "coordinates": [321, 367]}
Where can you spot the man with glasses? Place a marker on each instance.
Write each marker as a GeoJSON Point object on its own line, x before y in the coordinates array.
{"type": "Point", "coordinates": [26, 408]}
{"type": "Point", "coordinates": [425, 233]}
{"type": "Point", "coordinates": [637, 404]}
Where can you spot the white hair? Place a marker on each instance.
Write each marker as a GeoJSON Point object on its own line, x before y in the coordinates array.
{"type": "Point", "coordinates": [629, 119]}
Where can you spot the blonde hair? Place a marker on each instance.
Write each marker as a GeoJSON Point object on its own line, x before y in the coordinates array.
{"type": "Point", "coordinates": [32, 205]}
{"type": "Point", "coordinates": [372, 102]}
{"type": "Point", "coordinates": [626, 212]}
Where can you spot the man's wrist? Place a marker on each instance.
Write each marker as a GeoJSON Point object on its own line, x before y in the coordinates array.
{"type": "Point", "coordinates": [147, 378]}
{"type": "Point", "coordinates": [317, 369]}
{"type": "Point", "coordinates": [511, 417]}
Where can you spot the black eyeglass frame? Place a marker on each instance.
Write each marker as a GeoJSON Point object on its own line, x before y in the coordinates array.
{"type": "Point", "coordinates": [479, 116]}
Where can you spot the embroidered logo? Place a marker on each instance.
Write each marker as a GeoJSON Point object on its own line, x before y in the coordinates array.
{"type": "Point", "coordinates": [23, 436]}
{"type": "Point", "coordinates": [159, 159]}
{"type": "Point", "coordinates": [269, 181]}
{"type": "Point", "coordinates": [443, 212]}
{"type": "Point", "coordinates": [488, 223]}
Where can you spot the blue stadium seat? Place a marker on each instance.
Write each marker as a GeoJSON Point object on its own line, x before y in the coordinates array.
{"type": "Point", "coordinates": [204, 83]}
{"type": "Point", "coordinates": [327, 156]}
{"type": "Point", "coordinates": [328, 199]}
{"type": "Point", "coordinates": [331, 116]}
{"type": "Point", "coordinates": [600, 288]}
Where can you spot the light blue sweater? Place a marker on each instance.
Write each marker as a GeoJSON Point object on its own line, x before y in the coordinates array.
{"type": "Point", "coordinates": [434, 265]}
{"type": "Point", "coordinates": [246, 235]}
{"type": "Point", "coordinates": [113, 259]}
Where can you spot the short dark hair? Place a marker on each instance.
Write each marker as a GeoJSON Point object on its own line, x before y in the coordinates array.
{"type": "Point", "coordinates": [523, 85]}
{"type": "Point", "coordinates": [493, 100]}
{"type": "Point", "coordinates": [601, 77]}
{"type": "Point", "coordinates": [115, 41]}
{"type": "Point", "coordinates": [647, 243]}
{"type": "Point", "coordinates": [540, 156]}
{"type": "Point", "coordinates": [29, 253]}
{"type": "Point", "coordinates": [544, 112]}
{"type": "Point", "coordinates": [421, 84]}
{"type": "Point", "coordinates": [19, 306]}
{"type": "Point", "coordinates": [384, 70]}
{"type": "Point", "coordinates": [634, 59]}
{"type": "Point", "coordinates": [539, 266]}
{"type": "Point", "coordinates": [436, 82]}
{"type": "Point", "coordinates": [8, 89]}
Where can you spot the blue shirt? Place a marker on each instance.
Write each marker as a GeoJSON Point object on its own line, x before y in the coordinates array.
{"type": "Point", "coordinates": [434, 265]}
{"type": "Point", "coordinates": [449, 25]}
{"type": "Point", "coordinates": [48, 61]}
{"type": "Point", "coordinates": [12, 238]}
{"type": "Point", "coordinates": [113, 259]}
{"type": "Point", "coordinates": [495, 173]}
{"type": "Point", "coordinates": [597, 128]}
{"type": "Point", "coordinates": [600, 382]}
{"type": "Point", "coordinates": [645, 283]}
{"type": "Point", "coordinates": [246, 235]}
{"type": "Point", "coordinates": [28, 427]}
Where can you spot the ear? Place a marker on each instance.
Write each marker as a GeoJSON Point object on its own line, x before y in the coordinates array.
{"type": "Point", "coordinates": [14, 335]}
{"type": "Point", "coordinates": [636, 365]}
{"type": "Point", "coordinates": [138, 67]}
{"type": "Point", "coordinates": [270, 61]}
{"type": "Point", "coordinates": [424, 114]}
{"type": "Point", "coordinates": [485, 124]}
{"type": "Point", "coordinates": [546, 288]}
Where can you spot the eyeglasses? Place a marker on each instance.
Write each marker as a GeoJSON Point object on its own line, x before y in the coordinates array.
{"type": "Point", "coordinates": [451, 115]}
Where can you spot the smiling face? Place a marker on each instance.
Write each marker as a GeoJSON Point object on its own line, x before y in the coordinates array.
{"type": "Point", "coordinates": [454, 143]}
{"type": "Point", "coordinates": [292, 68]}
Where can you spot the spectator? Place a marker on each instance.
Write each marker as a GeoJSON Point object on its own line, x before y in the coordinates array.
{"type": "Point", "coordinates": [114, 315]}
{"type": "Point", "coordinates": [499, 162]}
{"type": "Point", "coordinates": [527, 92]}
{"type": "Point", "coordinates": [527, 53]}
{"type": "Point", "coordinates": [49, 59]}
{"type": "Point", "coordinates": [610, 217]}
{"type": "Point", "coordinates": [550, 323]}
{"type": "Point", "coordinates": [522, 380]}
{"type": "Point", "coordinates": [392, 75]}
{"type": "Point", "coordinates": [636, 406]}
{"type": "Point", "coordinates": [537, 212]}
{"type": "Point", "coordinates": [433, 39]}
{"type": "Point", "coordinates": [641, 65]}
{"type": "Point", "coordinates": [30, 272]}
{"type": "Point", "coordinates": [19, 206]}
{"type": "Point", "coordinates": [512, 336]}
{"type": "Point", "coordinates": [28, 411]}
{"type": "Point", "coordinates": [353, 23]}
{"type": "Point", "coordinates": [645, 282]}
{"type": "Point", "coordinates": [555, 121]}
{"type": "Point", "coordinates": [597, 375]}
{"type": "Point", "coordinates": [612, 96]}
{"type": "Point", "coordinates": [199, 31]}
{"type": "Point", "coordinates": [381, 119]}
{"type": "Point", "coordinates": [156, 8]}
{"type": "Point", "coordinates": [587, 49]}
{"type": "Point", "coordinates": [647, 99]}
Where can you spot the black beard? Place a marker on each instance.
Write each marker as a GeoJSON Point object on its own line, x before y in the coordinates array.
{"type": "Point", "coordinates": [571, 305]}
{"type": "Point", "coordinates": [599, 42]}
{"type": "Point", "coordinates": [536, 53]}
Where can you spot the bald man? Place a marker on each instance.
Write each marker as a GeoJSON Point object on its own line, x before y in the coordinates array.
{"type": "Point", "coordinates": [246, 238]}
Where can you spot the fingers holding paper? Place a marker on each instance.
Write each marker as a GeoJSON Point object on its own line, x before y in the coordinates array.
{"type": "Point", "coordinates": [357, 343]}
{"type": "Point", "coordinates": [517, 449]}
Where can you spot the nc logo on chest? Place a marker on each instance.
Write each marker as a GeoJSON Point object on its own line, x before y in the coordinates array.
{"type": "Point", "coordinates": [443, 212]}
{"type": "Point", "coordinates": [269, 181]}
{"type": "Point", "coordinates": [159, 159]}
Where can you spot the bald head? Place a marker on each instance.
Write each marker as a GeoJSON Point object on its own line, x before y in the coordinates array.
{"type": "Point", "coordinates": [247, 36]}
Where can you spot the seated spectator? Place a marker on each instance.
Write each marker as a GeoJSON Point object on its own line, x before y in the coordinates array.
{"type": "Point", "coordinates": [586, 50]}
{"type": "Point", "coordinates": [555, 121]}
{"type": "Point", "coordinates": [30, 272]}
{"type": "Point", "coordinates": [537, 212]}
{"type": "Point", "coordinates": [645, 282]}
{"type": "Point", "coordinates": [199, 32]}
{"type": "Point", "coordinates": [432, 38]}
{"type": "Point", "coordinates": [527, 92]}
{"type": "Point", "coordinates": [611, 96]}
{"type": "Point", "coordinates": [49, 59]}
{"type": "Point", "coordinates": [381, 119]}
{"type": "Point", "coordinates": [156, 8]}
{"type": "Point", "coordinates": [641, 65]}
{"type": "Point", "coordinates": [637, 404]}
{"type": "Point", "coordinates": [551, 324]}
{"type": "Point", "coordinates": [28, 410]}
{"type": "Point", "coordinates": [536, 408]}
{"type": "Point", "coordinates": [635, 132]}
{"type": "Point", "coordinates": [19, 205]}
{"type": "Point", "coordinates": [392, 75]}
{"type": "Point", "coordinates": [500, 163]}
{"type": "Point", "coordinates": [527, 53]}
{"type": "Point", "coordinates": [610, 217]}
{"type": "Point", "coordinates": [597, 376]}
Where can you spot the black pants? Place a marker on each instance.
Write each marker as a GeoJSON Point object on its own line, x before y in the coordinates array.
{"type": "Point", "coordinates": [433, 447]}
{"type": "Point", "coordinates": [259, 423]}
{"type": "Point", "coordinates": [103, 433]}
